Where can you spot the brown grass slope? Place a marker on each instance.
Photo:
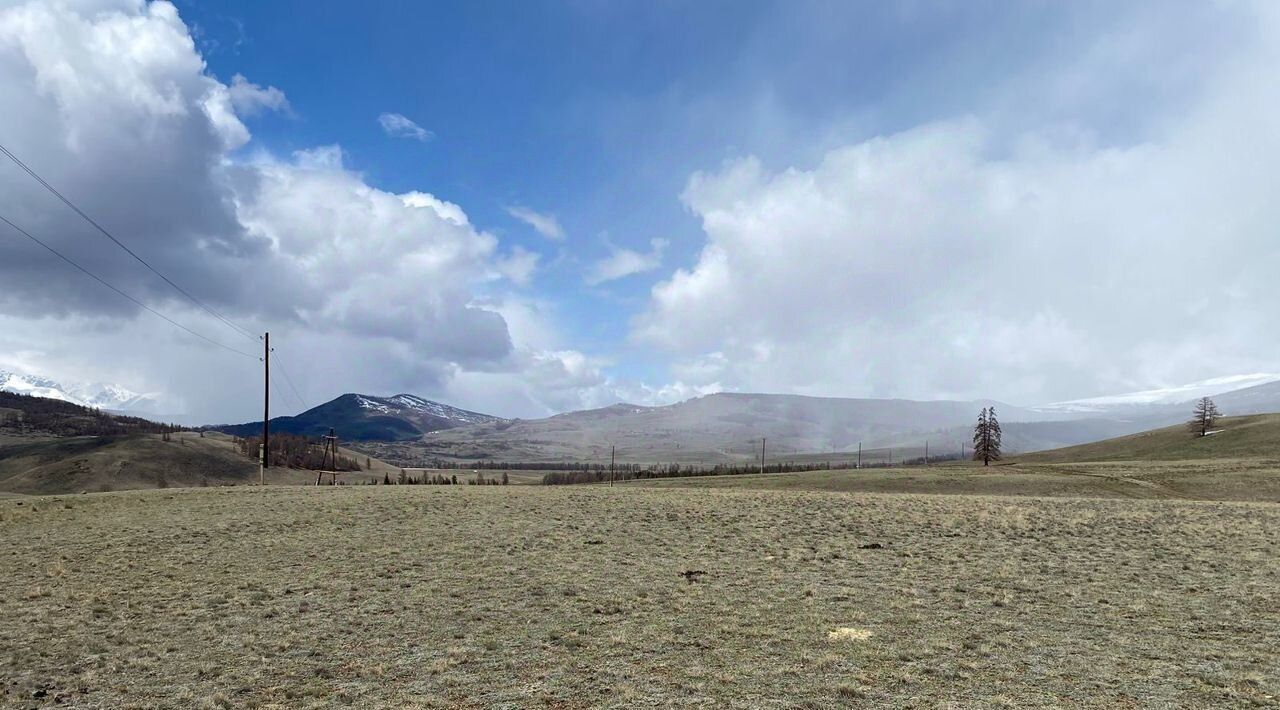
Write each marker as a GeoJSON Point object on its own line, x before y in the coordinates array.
{"type": "Point", "coordinates": [1251, 437]}
{"type": "Point", "coordinates": [101, 463]}
{"type": "Point", "coordinates": [1239, 463]}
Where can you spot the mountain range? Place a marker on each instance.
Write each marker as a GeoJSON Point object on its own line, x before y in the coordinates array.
{"type": "Point", "coordinates": [728, 427]}
{"type": "Point", "coordinates": [719, 427]}
{"type": "Point", "coordinates": [113, 398]}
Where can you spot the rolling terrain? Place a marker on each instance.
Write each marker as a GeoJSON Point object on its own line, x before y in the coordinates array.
{"type": "Point", "coordinates": [1241, 462]}
{"type": "Point", "coordinates": [1254, 436]}
{"type": "Point", "coordinates": [106, 463]}
{"type": "Point", "coordinates": [727, 428]}
{"type": "Point", "coordinates": [51, 446]}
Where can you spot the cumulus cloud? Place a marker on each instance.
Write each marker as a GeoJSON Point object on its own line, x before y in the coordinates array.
{"type": "Point", "coordinates": [399, 126]}
{"type": "Point", "coordinates": [952, 259]}
{"type": "Point", "coordinates": [545, 224]}
{"type": "Point", "coordinates": [362, 287]}
{"type": "Point", "coordinates": [625, 262]}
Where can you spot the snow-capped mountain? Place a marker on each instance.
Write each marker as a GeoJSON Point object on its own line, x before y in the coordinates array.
{"type": "Point", "coordinates": [365, 417]}
{"type": "Point", "coordinates": [1155, 398]}
{"type": "Point", "coordinates": [102, 396]}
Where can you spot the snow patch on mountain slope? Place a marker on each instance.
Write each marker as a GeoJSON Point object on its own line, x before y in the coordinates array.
{"type": "Point", "coordinates": [1165, 395]}
{"type": "Point", "coordinates": [377, 406]}
{"type": "Point", "coordinates": [402, 402]}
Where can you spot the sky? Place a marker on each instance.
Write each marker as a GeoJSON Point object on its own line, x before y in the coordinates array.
{"type": "Point", "coordinates": [535, 207]}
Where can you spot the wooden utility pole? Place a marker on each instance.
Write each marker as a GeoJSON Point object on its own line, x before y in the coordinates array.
{"type": "Point", "coordinates": [762, 440]}
{"type": "Point", "coordinates": [926, 452]}
{"type": "Point", "coordinates": [613, 452]}
{"type": "Point", "coordinates": [859, 454]}
{"type": "Point", "coordinates": [266, 399]}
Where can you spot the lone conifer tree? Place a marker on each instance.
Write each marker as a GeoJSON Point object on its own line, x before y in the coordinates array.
{"type": "Point", "coordinates": [1205, 416]}
{"type": "Point", "coordinates": [986, 437]}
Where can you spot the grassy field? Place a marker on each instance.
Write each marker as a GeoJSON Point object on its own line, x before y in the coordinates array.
{"type": "Point", "coordinates": [63, 465]}
{"type": "Point", "coordinates": [1251, 437]}
{"type": "Point", "coordinates": [1255, 480]}
{"type": "Point", "coordinates": [586, 596]}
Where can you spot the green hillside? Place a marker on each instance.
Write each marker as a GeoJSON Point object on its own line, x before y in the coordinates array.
{"type": "Point", "coordinates": [1255, 436]}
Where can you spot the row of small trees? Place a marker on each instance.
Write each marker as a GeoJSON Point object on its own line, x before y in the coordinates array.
{"type": "Point", "coordinates": [630, 472]}
{"type": "Point", "coordinates": [293, 451]}
{"type": "Point", "coordinates": [439, 479]}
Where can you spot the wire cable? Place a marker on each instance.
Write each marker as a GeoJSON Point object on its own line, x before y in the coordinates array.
{"type": "Point", "coordinates": [120, 244]}
{"type": "Point", "coordinates": [135, 301]}
{"type": "Point", "coordinates": [289, 381]}
{"type": "Point", "coordinates": [279, 394]}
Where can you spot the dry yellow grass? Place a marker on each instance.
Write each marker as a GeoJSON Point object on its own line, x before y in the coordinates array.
{"type": "Point", "coordinates": [428, 596]}
{"type": "Point", "coordinates": [1228, 479]}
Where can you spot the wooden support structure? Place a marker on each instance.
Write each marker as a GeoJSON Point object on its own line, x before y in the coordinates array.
{"type": "Point", "coordinates": [329, 456]}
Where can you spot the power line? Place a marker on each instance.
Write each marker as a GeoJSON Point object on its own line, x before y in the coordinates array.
{"type": "Point", "coordinates": [135, 301]}
{"type": "Point", "coordinates": [120, 244]}
{"type": "Point", "coordinates": [289, 381]}
{"type": "Point", "coordinates": [276, 388]}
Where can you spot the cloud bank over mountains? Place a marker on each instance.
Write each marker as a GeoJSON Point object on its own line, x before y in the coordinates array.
{"type": "Point", "coordinates": [956, 258]}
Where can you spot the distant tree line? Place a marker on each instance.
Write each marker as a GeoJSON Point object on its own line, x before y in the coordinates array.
{"type": "Point", "coordinates": [33, 414]}
{"type": "Point", "coordinates": [438, 479]}
{"type": "Point", "coordinates": [599, 473]}
{"type": "Point", "coordinates": [293, 451]}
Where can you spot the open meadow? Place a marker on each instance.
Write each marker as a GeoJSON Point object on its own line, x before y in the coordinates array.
{"type": "Point", "coordinates": [633, 596]}
{"type": "Point", "coordinates": [1244, 480]}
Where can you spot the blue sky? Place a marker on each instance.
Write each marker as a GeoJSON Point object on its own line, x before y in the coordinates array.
{"type": "Point", "coordinates": [913, 199]}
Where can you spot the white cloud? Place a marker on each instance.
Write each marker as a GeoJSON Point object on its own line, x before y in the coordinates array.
{"type": "Point", "coordinates": [625, 262]}
{"type": "Point", "coordinates": [249, 98]}
{"type": "Point", "coordinates": [399, 126]}
{"type": "Point", "coordinates": [952, 260]}
{"type": "Point", "coordinates": [362, 288]}
{"type": "Point", "coordinates": [519, 265]}
{"type": "Point", "coordinates": [545, 224]}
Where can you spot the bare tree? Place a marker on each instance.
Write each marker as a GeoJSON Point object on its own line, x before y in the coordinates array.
{"type": "Point", "coordinates": [1204, 417]}
{"type": "Point", "coordinates": [986, 437]}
